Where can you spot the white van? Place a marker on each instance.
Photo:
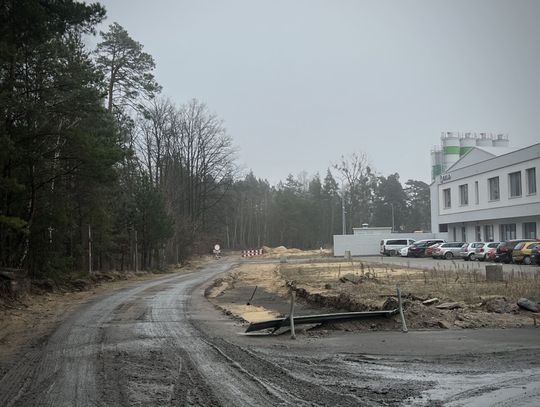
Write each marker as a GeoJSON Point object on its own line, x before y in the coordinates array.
{"type": "Point", "coordinates": [391, 247]}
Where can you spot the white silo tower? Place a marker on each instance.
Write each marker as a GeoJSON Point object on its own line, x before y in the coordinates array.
{"type": "Point", "coordinates": [451, 149]}
{"type": "Point", "coordinates": [500, 140]}
{"type": "Point", "coordinates": [484, 140]}
{"type": "Point", "coordinates": [466, 143]}
{"type": "Point", "coordinates": [436, 162]}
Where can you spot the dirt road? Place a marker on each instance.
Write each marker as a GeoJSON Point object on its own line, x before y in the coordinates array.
{"type": "Point", "coordinates": [160, 343]}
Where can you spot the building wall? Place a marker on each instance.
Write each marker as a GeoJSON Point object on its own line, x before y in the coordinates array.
{"type": "Point", "coordinates": [505, 210]}
{"type": "Point", "coordinates": [369, 244]}
{"type": "Point", "coordinates": [470, 228]}
{"type": "Point", "coordinates": [484, 202]}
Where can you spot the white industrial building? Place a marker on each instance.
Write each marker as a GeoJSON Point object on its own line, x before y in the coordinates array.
{"type": "Point", "coordinates": [488, 192]}
{"type": "Point", "coordinates": [365, 241]}
{"type": "Point", "coordinates": [482, 190]}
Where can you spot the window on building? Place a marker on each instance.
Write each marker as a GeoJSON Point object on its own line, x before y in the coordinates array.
{"type": "Point", "coordinates": [493, 187]}
{"type": "Point", "coordinates": [515, 184]}
{"type": "Point", "coordinates": [447, 199]}
{"type": "Point", "coordinates": [443, 227]}
{"type": "Point", "coordinates": [463, 234]}
{"type": "Point", "coordinates": [476, 193]}
{"type": "Point", "coordinates": [508, 231]}
{"type": "Point", "coordinates": [529, 230]}
{"type": "Point", "coordinates": [531, 181]}
{"type": "Point", "coordinates": [464, 194]}
{"type": "Point", "coordinates": [488, 233]}
{"type": "Point", "coordinates": [478, 233]}
{"type": "Point", "coordinates": [455, 234]}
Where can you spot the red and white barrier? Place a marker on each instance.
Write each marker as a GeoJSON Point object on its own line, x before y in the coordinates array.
{"type": "Point", "coordinates": [251, 253]}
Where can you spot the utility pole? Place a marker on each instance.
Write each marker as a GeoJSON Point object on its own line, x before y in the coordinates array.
{"type": "Point", "coordinates": [136, 252]}
{"type": "Point", "coordinates": [343, 214]}
{"type": "Point", "coordinates": [89, 249]}
{"type": "Point", "coordinates": [392, 206]}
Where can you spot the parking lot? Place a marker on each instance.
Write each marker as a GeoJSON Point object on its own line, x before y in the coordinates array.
{"type": "Point", "coordinates": [430, 263]}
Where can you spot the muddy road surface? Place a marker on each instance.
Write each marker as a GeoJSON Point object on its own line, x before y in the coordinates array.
{"type": "Point", "coordinates": [160, 343]}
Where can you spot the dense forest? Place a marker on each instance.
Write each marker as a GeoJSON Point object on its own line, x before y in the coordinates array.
{"type": "Point", "coordinates": [101, 171]}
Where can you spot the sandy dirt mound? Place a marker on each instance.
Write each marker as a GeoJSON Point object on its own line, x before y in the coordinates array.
{"type": "Point", "coordinates": [248, 293]}
{"type": "Point", "coordinates": [282, 251]}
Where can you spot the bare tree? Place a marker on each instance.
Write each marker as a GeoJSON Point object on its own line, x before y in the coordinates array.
{"type": "Point", "coordinates": [190, 158]}
{"type": "Point", "coordinates": [157, 140]}
{"type": "Point", "coordinates": [207, 157]}
{"type": "Point", "coordinates": [356, 175]}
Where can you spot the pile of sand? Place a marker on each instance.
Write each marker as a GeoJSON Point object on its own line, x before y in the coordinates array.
{"type": "Point", "coordinates": [282, 251]}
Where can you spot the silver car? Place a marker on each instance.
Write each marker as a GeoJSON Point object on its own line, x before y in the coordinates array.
{"type": "Point", "coordinates": [483, 253]}
{"type": "Point", "coordinates": [448, 250]}
{"type": "Point", "coordinates": [468, 251]}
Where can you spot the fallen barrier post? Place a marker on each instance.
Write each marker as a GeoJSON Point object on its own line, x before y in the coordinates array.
{"type": "Point", "coordinates": [316, 319]}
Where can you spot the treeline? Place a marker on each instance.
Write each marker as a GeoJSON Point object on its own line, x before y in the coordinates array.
{"type": "Point", "coordinates": [306, 212]}
{"type": "Point", "coordinates": [99, 171]}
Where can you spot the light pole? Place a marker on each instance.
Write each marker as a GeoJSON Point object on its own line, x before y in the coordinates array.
{"type": "Point", "coordinates": [343, 214]}
{"type": "Point", "coordinates": [392, 206]}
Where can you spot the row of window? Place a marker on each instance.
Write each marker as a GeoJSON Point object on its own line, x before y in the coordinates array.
{"type": "Point", "coordinates": [494, 192]}
{"type": "Point", "coordinates": [506, 232]}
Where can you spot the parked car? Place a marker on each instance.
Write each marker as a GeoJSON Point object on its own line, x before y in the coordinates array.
{"type": "Point", "coordinates": [391, 247]}
{"type": "Point", "coordinates": [535, 257]}
{"type": "Point", "coordinates": [486, 252]}
{"type": "Point", "coordinates": [429, 250]}
{"type": "Point", "coordinates": [504, 250]}
{"type": "Point", "coordinates": [418, 249]}
{"type": "Point", "coordinates": [404, 252]}
{"type": "Point", "coordinates": [522, 252]}
{"type": "Point", "coordinates": [448, 250]}
{"type": "Point", "coordinates": [468, 251]}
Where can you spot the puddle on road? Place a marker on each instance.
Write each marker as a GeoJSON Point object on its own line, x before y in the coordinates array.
{"type": "Point", "coordinates": [518, 388]}
{"type": "Point", "coordinates": [478, 389]}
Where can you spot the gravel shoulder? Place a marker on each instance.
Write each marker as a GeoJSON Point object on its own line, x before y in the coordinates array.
{"type": "Point", "coordinates": [27, 322]}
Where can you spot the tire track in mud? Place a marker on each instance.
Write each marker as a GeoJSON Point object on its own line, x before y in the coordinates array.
{"type": "Point", "coordinates": [142, 365]}
{"type": "Point", "coordinates": [205, 371]}
{"type": "Point", "coordinates": [286, 385]}
{"type": "Point", "coordinates": [214, 378]}
{"type": "Point", "coordinates": [64, 371]}
{"type": "Point", "coordinates": [132, 348]}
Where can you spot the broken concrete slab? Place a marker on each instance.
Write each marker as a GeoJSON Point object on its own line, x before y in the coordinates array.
{"type": "Point", "coordinates": [529, 305]}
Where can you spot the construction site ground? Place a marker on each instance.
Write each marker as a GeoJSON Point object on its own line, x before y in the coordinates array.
{"type": "Point", "coordinates": [456, 296]}
{"type": "Point", "coordinates": [178, 339]}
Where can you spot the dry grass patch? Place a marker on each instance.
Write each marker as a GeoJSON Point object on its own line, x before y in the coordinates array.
{"type": "Point", "coordinates": [362, 286]}
{"type": "Point", "coordinates": [376, 280]}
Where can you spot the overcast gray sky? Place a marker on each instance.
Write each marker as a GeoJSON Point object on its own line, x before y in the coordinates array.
{"type": "Point", "coordinates": [301, 82]}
